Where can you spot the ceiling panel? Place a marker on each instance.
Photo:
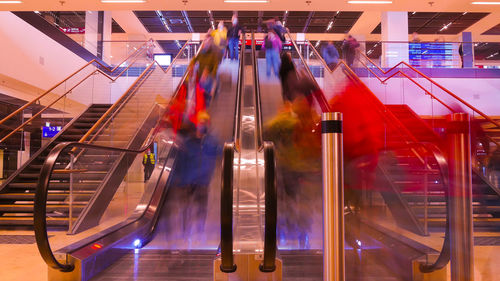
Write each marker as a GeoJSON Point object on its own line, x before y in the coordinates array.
{"type": "Point", "coordinates": [433, 23]}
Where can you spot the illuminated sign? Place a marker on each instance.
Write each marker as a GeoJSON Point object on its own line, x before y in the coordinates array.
{"type": "Point", "coordinates": [51, 131]}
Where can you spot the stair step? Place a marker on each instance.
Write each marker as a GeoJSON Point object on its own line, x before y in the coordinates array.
{"type": "Point", "coordinates": [28, 208]}
{"type": "Point", "coordinates": [52, 196]}
{"type": "Point", "coordinates": [28, 221]}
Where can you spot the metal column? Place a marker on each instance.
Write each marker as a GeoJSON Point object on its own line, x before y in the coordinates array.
{"type": "Point", "coordinates": [333, 197]}
{"type": "Point", "coordinates": [460, 204]}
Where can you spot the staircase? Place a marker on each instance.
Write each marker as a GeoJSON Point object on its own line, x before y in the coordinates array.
{"type": "Point", "coordinates": [18, 191]}
{"type": "Point", "coordinates": [410, 176]}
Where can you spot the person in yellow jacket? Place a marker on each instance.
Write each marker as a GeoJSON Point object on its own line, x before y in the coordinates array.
{"type": "Point", "coordinates": [148, 162]}
{"type": "Point", "coordinates": [220, 37]}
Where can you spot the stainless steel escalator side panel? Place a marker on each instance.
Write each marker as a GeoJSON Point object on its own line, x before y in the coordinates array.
{"type": "Point", "coordinates": [95, 253]}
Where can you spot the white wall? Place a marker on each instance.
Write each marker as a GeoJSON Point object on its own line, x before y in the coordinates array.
{"type": "Point", "coordinates": [28, 55]}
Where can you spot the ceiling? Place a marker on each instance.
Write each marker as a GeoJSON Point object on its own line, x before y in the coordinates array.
{"type": "Point", "coordinates": [68, 19]}
{"type": "Point", "coordinates": [492, 31]}
{"type": "Point", "coordinates": [439, 23]}
{"type": "Point", "coordinates": [201, 21]}
{"type": "Point", "coordinates": [272, 5]}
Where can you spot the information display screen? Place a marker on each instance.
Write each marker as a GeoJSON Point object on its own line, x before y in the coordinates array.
{"type": "Point", "coordinates": [435, 54]}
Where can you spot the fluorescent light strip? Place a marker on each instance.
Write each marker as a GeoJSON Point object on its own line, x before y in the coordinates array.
{"type": "Point", "coordinates": [246, 1]}
{"type": "Point", "coordinates": [123, 1]}
{"type": "Point", "coordinates": [485, 3]}
{"type": "Point", "coordinates": [369, 2]}
{"type": "Point", "coordinates": [11, 2]}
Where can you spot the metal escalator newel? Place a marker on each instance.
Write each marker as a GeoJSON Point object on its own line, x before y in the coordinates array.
{"type": "Point", "coordinates": [333, 197]}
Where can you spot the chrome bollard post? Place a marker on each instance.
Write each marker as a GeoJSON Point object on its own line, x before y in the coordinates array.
{"type": "Point", "coordinates": [333, 197]}
{"type": "Point", "coordinates": [460, 201]}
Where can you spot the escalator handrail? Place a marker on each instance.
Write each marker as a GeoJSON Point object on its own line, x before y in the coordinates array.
{"type": "Point", "coordinates": [239, 91]}
{"type": "Point", "coordinates": [444, 255]}
{"type": "Point", "coordinates": [258, 105]}
{"type": "Point", "coordinates": [40, 201]}
{"type": "Point", "coordinates": [271, 198]}
{"type": "Point", "coordinates": [489, 119]}
{"type": "Point", "coordinates": [226, 210]}
{"type": "Point", "coordinates": [97, 70]}
{"type": "Point", "coordinates": [226, 199]}
{"type": "Point", "coordinates": [119, 102]}
{"type": "Point", "coordinates": [320, 98]}
{"type": "Point", "coordinates": [101, 65]}
{"type": "Point", "coordinates": [271, 203]}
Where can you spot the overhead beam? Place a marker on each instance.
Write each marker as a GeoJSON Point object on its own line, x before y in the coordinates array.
{"type": "Point", "coordinates": [188, 22]}
{"type": "Point", "coordinates": [365, 25]}
{"type": "Point", "coordinates": [130, 23]}
{"type": "Point", "coordinates": [308, 21]}
{"type": "Point", "coordinates": [483, 25]}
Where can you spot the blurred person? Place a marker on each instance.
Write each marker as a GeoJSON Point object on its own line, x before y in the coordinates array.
{"type": "Point", "coordinates": [298, 152]}
{"type": "Point", "coordinates": [233, 35]}
{"type": "Point", "coordinates": [330, 55]}
{"type": "Point", "coordinates": [194, 167]}
{"type": "Point", "coordinates": [148, 162]}
{"type": "Point", "coordinates": [272, 46]}
{"type": "Point", "coordinates": [280, 30]}
{"type": "Point", "coordinates": [363, 139]}
{"type": "Point", "coordinates": [415, 38]}
{"type": "Point", "coordinates": [295, 83]}
{"type": "Point", "coordinates": [349, 47]}
{"type": "Point", "coordinates": [220, 37]}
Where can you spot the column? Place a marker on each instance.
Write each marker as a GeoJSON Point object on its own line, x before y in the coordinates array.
{"type": "Point", "coordinates": [467, 50]}
{"type": "Point", "coordinates": [394, 29]}
{"type": "Point", "coordinates": [97, 30]}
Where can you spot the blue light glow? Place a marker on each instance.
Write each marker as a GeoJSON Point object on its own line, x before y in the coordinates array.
{"type": "Point", "coordinates": [137, 243]}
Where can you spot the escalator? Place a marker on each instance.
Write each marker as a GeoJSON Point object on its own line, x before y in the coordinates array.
{"type": "Point", "coordinates": [372, 250]}
{"type": "Point", "coordinates": [175, 233]}
{"type": "Point", "coordinates": [18, 190]}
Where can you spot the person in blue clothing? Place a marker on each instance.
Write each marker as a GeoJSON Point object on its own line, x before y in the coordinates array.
{"type": "Point", "coordinates": [194, 167]}
{"type": "Point", "coordinates": [330, 55]}
{"type": "Point", "coordinates": [272, 47]}
{"type": "Point", "coordinates": [233, 36]}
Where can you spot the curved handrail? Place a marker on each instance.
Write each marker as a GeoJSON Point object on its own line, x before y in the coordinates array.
{"type": "Point", "coordinates": [271, 216]}
{"type": "Point", "coordinates": [40, 223]}
{"type": "Point", "coordinates": [444, 256]}
{"type": "Point", "coordinates": [127, 92]}
{"type": "Point", "coordinates": [40, 201]}
{"type": "Point", "coordinates": [239, 89]}
{"type": "Point", "coordinates": [226, 210]}
{"type": "Point", "coordinates": [428, 79]}
{"type": "Point", "coordinates": [323, 103]}
{"type": "Point", "coordinates": [97, 70]}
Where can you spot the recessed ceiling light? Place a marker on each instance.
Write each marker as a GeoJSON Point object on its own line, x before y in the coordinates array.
{"type": "Point", "coordinates": [485, 3]}
{"type": "Point", "coordinates": [369, 2]}
{"type": "Point", "coordinates": [11, 2]}
{"type": "Point", "coordinates": [246, 1]}
{"type": "Point", "coordinates": [123, 1]}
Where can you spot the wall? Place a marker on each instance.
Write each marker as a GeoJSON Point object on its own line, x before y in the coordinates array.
{"type": "Point", "coordinates": [30, 56]}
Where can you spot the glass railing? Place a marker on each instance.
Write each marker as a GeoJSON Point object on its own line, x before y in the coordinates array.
{"type": "Point", "coordinates": [391, 178]}
{"type": "Point", "coordinates": [128, 125]}
{"type": "Point", "coordinates": [433, 54]}
{"type": "Point", "coordinates": [56, 107]}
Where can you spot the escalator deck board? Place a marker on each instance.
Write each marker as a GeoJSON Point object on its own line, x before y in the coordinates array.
{"type": "Point", "coordinates": [150, 264]}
